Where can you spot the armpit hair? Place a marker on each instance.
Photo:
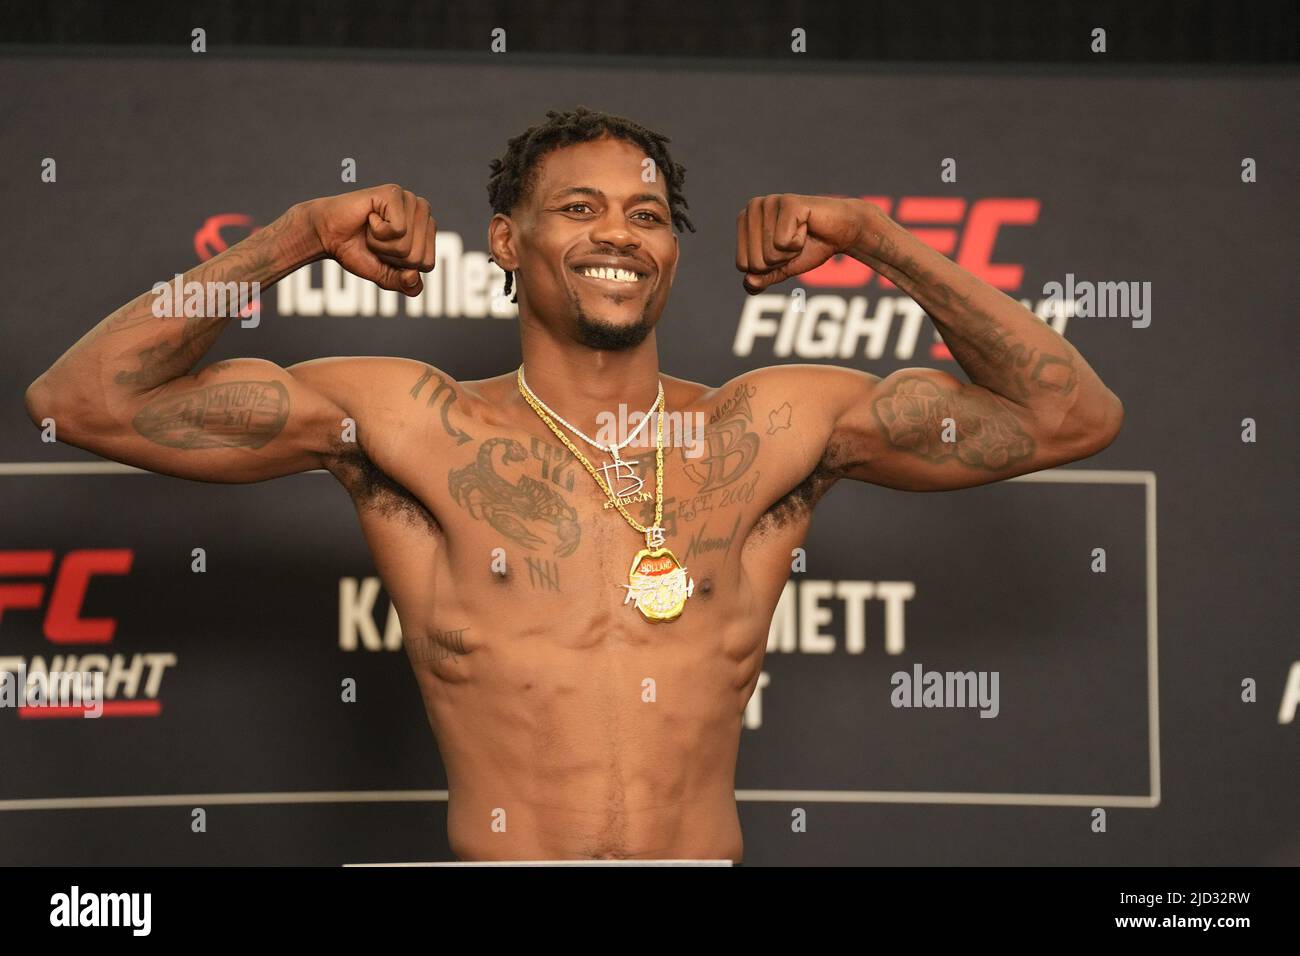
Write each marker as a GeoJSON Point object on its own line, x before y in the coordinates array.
{"type": "Point", "coordinates": [796, 503]}
{"type": "Point", "coordinates": [373, 490]}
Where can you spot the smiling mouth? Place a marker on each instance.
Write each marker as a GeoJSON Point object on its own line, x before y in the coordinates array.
{"type": "Point", "coordinates": [610, 277]}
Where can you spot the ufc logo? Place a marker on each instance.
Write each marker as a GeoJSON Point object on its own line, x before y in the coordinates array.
{"type": "Point", "coordinates": [208, 240]}
{"type": "Point", "coordinates": [943, 224]}
{"type": "Point", "coordinates": [63, 621]}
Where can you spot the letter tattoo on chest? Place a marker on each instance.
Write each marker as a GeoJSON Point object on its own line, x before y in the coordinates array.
{"type": "Point", "coordinates": [730, 447]}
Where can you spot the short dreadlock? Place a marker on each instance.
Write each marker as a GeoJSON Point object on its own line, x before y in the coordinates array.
{"type": "Point", "coordinates": [513, 176]}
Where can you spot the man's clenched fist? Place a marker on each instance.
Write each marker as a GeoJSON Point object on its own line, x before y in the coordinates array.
{"type": "Point", "coordinates": [384, 234]}
{"type": "Point", "coordinates": [784, 234]}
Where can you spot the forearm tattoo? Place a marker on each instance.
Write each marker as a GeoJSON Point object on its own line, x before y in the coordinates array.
{"type": "Point", "coordinates": [986, 349]}
{"type": "Point", "coordinates": [172, 352]}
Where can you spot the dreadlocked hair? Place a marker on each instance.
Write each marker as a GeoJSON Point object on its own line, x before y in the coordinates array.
{"type": "Point", "coordinates": [514, 175]}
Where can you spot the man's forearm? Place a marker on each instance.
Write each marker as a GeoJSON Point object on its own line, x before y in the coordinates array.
{"type": "Point", "coordinates": [999, 343]}
{"type": "Point", "coordinates": [134, 350]}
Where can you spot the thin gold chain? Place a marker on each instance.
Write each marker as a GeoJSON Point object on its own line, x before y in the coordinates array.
{"type": "Point", "coordinates": [608, 449]}
{"type": "Point", "coordinates": [659, 458]}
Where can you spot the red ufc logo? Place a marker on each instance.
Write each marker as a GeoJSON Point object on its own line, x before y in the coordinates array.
{"type": "Point", "coordinates": [63, 621]}
{"type": "Point", "coordinates": [943, 224]}
{"type": "Point", "coordinates": [208, 240]}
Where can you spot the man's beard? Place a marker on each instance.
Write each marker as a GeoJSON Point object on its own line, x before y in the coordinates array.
{"type": "Point", "coordinates": [608, 337]}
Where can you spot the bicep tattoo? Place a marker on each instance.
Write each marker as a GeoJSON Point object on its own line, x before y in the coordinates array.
{"type": "Point", "coordinates": [938, 423]}
{"type": "Point", "coordinates": [226, 415]}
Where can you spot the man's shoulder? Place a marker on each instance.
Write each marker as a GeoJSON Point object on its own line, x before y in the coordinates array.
{"type": "Point", "coordinates": [371, 384]}
{"type": "Point", "coordinates": [802, 383]}
{"type": "Point", "coordinates": [359, 369]}
{"type": "Point", "coordinates": [387, 401]}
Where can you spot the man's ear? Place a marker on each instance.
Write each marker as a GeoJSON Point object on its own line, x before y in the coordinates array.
{"type": "Point", "coordinates": [501, 242]}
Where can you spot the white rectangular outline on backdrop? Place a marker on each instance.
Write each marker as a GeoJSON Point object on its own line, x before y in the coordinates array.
{"type": "Point", "coordinates": [1056, 475]}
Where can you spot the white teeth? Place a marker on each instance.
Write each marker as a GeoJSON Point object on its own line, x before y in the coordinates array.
{"type": "Point", "coordinates": [617, 275]}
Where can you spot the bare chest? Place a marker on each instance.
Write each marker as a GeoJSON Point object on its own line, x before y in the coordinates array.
{"type": "Point", "coordinates": [505, 529]}
{"type": "Point", "coordinates": [510, 537]}
{"type": "Point", "coordinates": [527, 524]}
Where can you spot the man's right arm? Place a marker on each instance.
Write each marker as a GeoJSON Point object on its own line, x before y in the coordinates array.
{"type": "Point", "coordinates": [128, 389]}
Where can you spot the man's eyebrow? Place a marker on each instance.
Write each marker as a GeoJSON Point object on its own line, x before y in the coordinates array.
{"type": "Point", "coordinates": [591, 191]}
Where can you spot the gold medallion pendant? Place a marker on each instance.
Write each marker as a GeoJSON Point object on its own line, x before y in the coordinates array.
{"type": "Point", "coordinates": [657, 581]}
{"type": "Point", "coordinates": [659, 584]}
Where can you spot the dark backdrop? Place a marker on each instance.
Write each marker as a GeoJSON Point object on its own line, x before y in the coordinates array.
{"type": "Point", "coordinates": [1005, 31]}
{"type": "Point", "coordinates": [1119, 691]}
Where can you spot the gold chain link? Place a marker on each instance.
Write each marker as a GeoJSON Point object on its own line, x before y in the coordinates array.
{"type": "Point", "coordinates": [659, 458]}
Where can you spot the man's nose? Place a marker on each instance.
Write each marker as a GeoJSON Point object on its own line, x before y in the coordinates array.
{"type": "Point", "coordinates": [612, 228]}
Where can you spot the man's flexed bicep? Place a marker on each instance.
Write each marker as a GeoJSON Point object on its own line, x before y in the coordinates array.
{"type": "Point", "coordinates": [240, 420]}
{"type": "Point", "coordinates": [129, 389]}
{"type": "Point", "coordinates": [1032, 402]}
{"type": "Point", "coordinates": [921, 429]}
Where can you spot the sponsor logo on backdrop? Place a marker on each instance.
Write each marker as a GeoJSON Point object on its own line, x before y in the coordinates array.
{"type": "Point", "coordinates": [463, 283]}
{"type": "Point", "coordinates": [844, 310]}
{"type": "Point", "coordinates": [78, 675]}
{"type": "Point", "coordinates": [217, 234]}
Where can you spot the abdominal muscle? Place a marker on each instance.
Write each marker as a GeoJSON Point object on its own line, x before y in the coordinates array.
{"type": "Point", "coordinates": [702, 829]}
{"type": "Point", "coordinates": [592, 744]}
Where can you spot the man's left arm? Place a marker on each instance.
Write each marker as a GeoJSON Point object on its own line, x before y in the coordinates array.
{"type": "Point", "coordinates": [1033, 402]}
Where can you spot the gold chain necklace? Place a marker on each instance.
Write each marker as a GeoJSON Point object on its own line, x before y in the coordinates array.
{"type": "Point", "coordinates": [657, 581]}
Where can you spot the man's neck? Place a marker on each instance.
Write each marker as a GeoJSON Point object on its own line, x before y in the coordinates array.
{"type": "Point", "coordinates": [587, 385]}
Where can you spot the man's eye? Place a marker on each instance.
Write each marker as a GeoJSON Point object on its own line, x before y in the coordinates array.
{"type": "Point", "coordinates": [573, 206]}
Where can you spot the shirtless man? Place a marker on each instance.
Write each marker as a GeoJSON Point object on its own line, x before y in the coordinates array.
{"type": "Point", "coordinates": [573, 724]}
